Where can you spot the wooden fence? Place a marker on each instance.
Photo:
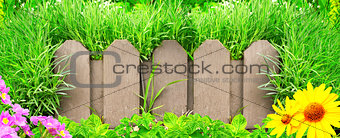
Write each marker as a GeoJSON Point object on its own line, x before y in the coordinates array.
{"type": "Point", "coordinates": [216, 85]}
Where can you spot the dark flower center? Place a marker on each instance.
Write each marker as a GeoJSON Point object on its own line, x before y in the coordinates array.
{"type": "Point", "coordinates": [286, 119]}
{"type": "Point", "coordinates": [314, 112]}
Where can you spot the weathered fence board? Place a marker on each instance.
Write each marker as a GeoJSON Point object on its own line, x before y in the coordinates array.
{"type": "Point", "coordinates": [75, 106]}
{"type": "Point", "coordinates": [120, 96]}
{"type": "Point", "coordinates": [236, 87]}
{"type": "Point", "coordinates": [211, 93]}
{"type": "Point", "coordinates": [256, 106]}
{"type": "Point", "coordinates": [217, 86]}
{"type": "Point", "coordinates": [97, 94]}
{"type": "Point", "coordinates": [174, 97]}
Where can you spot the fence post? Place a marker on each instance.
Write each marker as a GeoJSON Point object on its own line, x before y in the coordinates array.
{"type": "Point", "coordinates": [211, 85]}
{"type": "Point", "coordinates": [75, 105]}
{"type": "Point", "coordinates": [236, 87]}
{"type": "Point", "coordinates": [97, 94]}
{"type": "Point", "coordinates": [172, 60]}
{"type": "Point", "coordinates": [121, 81]}
{"type": "Point", "coordinates": [256, 105]}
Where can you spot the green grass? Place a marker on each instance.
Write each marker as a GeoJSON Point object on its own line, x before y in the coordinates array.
{"type": "Point", "coordinates": [97, 26]}
{"type": "Point", "coordinates": [27, 63]}
{"type": "Point", "coordinates": [310, 52]}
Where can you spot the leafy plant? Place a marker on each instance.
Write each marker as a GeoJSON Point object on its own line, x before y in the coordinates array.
{"type": "Point", "coordinates": [92, 127]}
{"type": "Point", "coordinates": [183, 126]}
{"type": "Point", "coordinates": [140, 126]}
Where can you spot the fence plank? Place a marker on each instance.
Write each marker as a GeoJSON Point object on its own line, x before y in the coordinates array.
{"type": "Point", "coordinates": [76, 105]}
{"type": "Point", "coordinates": [174, 97]}
{"type": "Point", "coordinates": [211, 90]}
{"type": "Point", "coordinates": [97, 99]}
{"type": "Point", "coordinates": [120, 88]}
{"type": "Point", "coordinates": [257, 106]}
{"type": "Point", "coordinates": [236, 87]}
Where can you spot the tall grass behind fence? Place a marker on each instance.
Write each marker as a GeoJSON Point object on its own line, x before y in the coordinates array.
{"type": "Point", "coordinates": [236, 25]}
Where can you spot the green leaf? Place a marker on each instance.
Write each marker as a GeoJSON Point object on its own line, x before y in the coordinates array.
{"type": "Point", "coordinates": [170, 120]}
{"type": "Point", "coordinates": [239, 122]}
{"type": "Point", "coordinates": [243, 133]}
{"type": "Point", "coordinates": [102, 129]}
{"type": "Point", "coordinates": [94, 121]}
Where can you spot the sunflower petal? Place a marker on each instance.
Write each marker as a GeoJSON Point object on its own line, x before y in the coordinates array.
{"type": "Point", "coordinates": [331, 98]}
{"type": "Point", "coordinates": [273, 124]}
{"type": "Point", "coordinates": [311, 131]}
{"type": "Point", "coordinates": [328, 90]}
{"type": "Point", "coordinates": [277, 110]}
{"type": "Point", "coordinates": [279, 133]}
{"type": "Point", "coordinates": [327, 128]}
{"type": "Point", "coordinates": [309, 87]}
{"type": "Point", "coordinates": [289, 129]}
{"type": "Point", "coordinates": [281, 107]}
{"type": "Point", "coordinates": [301, 130]}
{"type": "Point", "coordinates": [332, 105]}
{"type": "Point", "coordinates": [319, 130]}
{"type": "Point", "coordinates": [274, 116]}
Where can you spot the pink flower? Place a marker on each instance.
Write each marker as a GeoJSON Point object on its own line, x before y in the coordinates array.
{"type": "Point", "coordinates": [19, 120]}
{"type": "Point", "coordinates": [6, 119]}
{"type": "Point", "coordinates": [8, 132]}
{"type": "Point", "coordinates": [5, 98]}
{"type": "Point", "coordinates": [27, 130]}
{"type": "Point", "coordinates": [49, 122]}
{"type": "Point", "coordinates": [35, 119]}
{"type": "Point", "coordinates": [52, 125]}
{"type": "Point", "coordinates": [17, 108]}
{"type": "Point", "coordinates": [2, 84]}
{"type": "Point", "coordinates": [63, 133]}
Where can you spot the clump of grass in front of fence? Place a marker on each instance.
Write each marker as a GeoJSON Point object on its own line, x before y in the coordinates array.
{"type": "Point", "coordinates": [150, 95]}
{"type": "Point", "coordinates": [26, 61]}
{"type": "Point", "coordinates": [309, 53]}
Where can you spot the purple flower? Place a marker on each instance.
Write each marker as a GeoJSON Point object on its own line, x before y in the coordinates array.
{"type": "Point", "coordinates": [8, 132]}
{"type": "Point", "coordinates": [17, 108]}
{"type": "Point", "coordinates": [6, 119]}
{"type": "Point", "coordinates": [52, 125]}
{"type": "Point", "coordinates": [35, 119]}
{"type": "Point", "coordinates": [2, 84]}
{"type": "Point", "coordinates": [19, 120]}
{"type": "Point", "coordinates": [27, 130]}
{"type": "Point", "coordinates": [63, 133]}
{"type": "Point", "coordinates": [5, 98]}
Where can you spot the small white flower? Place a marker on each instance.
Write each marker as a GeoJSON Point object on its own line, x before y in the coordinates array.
{"type": "Point", "coordinates": [135, 128]}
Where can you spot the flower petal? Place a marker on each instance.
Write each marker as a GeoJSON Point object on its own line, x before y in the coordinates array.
{"type": "Point", "coordinates": [302, 130]}
{"type": "Point", "coordinates": [273, 124]}
{"type": "Point", "coordinates": [311, 131]}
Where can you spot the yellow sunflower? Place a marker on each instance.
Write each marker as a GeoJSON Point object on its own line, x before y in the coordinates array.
{"type": "Point", "coordinates": [284, 119]}
{"type": "Point", "coordinates": [318, 111]}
